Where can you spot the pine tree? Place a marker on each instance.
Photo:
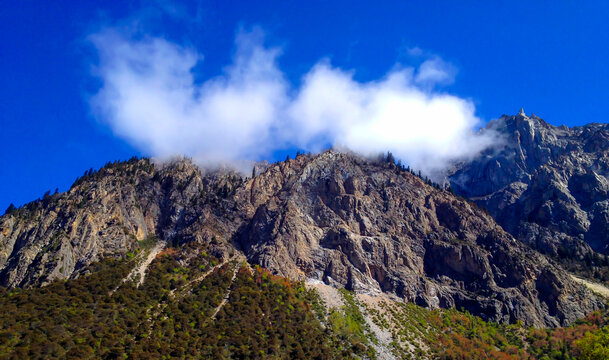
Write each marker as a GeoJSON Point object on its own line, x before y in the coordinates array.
{"type": "Point", "coordinates": [11, 208]}
{"type": "Point", "coordinates": [390, 158]}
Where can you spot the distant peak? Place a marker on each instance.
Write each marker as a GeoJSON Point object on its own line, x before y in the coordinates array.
{"type": "Point", "coordinates": [521, 112]}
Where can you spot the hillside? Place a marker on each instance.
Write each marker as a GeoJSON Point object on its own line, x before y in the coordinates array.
{"type": "Point", "coordinates": [193, 305]}
{"type": "Point", "coordinates": [323, 256]}
{"type": "Point", "coordinates": [363, 225]}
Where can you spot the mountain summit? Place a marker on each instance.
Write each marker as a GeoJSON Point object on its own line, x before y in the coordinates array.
{"type": "Point", "coordinates": [544, 184]}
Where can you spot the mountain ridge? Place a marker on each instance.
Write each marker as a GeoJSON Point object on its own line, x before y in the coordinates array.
{"type": "Point", "coordinates": [546, 185]}
{"type": "Point", "coordinates": [350, 222]}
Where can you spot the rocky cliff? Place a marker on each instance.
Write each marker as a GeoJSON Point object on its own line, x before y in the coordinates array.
{"type": "Point", "coordinates": [109, 212]}
{"type": "Point", "coordinates": [334, 218]}
{"type": "Point", "coordinates": [544, 184]}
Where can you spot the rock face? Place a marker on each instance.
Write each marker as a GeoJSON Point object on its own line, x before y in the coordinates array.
{"type": "Point", "coordinates": [372, 227]}
{"type": "Point", "coordinates": [546, 185]}
{"type": "Point", "coordinates": [105, 213]}
{"type": "Point", "coordinates": [334, 217]}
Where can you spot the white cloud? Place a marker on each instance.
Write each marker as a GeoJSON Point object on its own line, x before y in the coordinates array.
{"type": "Point", "coordinates": [426, 130]}
{"type": "Point", "coordinates": [414, 51]}
{"type": "Point", "coordinates": [435, 71]}
{"type": "Point", "coordinates": [150, 98]}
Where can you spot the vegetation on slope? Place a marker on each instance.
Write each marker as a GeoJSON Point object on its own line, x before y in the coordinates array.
{"type": "Point", "coordinates": [192, 305]}
{"type": "Point", "coordinates": [451, 334]}
{"type": "Point", "coordinates": [178, 312]}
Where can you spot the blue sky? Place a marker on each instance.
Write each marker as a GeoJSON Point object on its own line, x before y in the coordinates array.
{"type": "Point", "coordinates": [549, 57]}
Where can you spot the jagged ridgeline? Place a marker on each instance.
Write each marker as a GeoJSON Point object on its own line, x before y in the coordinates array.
{"type": "Point", "coordinates": [548, 186]}
{"type": "Point", "coordinates": [165, 254]}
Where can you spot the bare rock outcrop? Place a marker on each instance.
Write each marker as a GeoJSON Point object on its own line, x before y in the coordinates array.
{"type": "Point", "coordinates": [546, 185]}
{"type": "Point", "coordinates": [104, 213]}
{"type": "Point", "coordinates": [371, 227]}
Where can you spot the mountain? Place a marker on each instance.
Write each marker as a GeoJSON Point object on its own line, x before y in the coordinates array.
{"type": "Point", "coordinates": [364, 225]}
{"type": "Point", "coordinates": [548, 186]}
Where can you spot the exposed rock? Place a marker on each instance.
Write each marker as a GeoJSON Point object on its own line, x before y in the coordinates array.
{"type": "Point", "coordinates": [546, 185]}
{"type": "Point", "coordinates": [104, 213]}
{"type": "Point", "coordinates": [388, 231]}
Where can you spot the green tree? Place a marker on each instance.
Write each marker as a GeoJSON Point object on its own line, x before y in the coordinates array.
{"type": "Point", "coordinates": [10, 209]}
{"type": "Point", "coordinates": [390, 158]}
{"type": "Point", "coordinates": [594, 345]}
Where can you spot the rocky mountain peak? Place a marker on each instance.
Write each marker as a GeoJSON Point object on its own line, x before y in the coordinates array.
{"type": "Point", "coordinates": [544, 184]}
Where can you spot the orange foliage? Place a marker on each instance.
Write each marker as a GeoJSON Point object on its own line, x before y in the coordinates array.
{"type": "Point", "coordinates": [167, 252]}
